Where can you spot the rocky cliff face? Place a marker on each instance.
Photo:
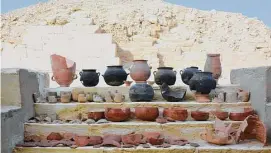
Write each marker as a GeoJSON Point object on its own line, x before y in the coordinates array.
{"type": "Point", "coordinates": [166, 34]}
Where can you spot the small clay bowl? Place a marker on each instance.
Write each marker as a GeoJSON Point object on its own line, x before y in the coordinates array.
{"type": "Point", "coordinates": [178, 114]}
{"type": "Point", "coordinates": [200, 115]}
{"type": "Point", "coordinates": [96, 115]}
{"type": "Point", "coordinates": [117, 114]}
{"type": "Point", "coordinates": [221, 115]}
{"type": "Point", "coordinates": [238, 116]}
{"type": "Point", "coordinates": [146, 113]}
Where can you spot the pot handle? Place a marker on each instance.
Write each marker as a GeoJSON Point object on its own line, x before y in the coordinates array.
{"type": "Point", "coordinates": [127, 74]}
{"type": "Point", "coordinates": [181, 72]}
{"type": "Point", "coordinates": [154, 73]}
{"type": "Point", "coordinates": [74, 76]}
{"type": "Point", "coordinates": [80, 73]}
{"type": "Point", "coordinates": [175, 72]}
{"type": "Point", "coordinates": [53, 78]}
{"type": "Point", "coordinates": [98, 73]}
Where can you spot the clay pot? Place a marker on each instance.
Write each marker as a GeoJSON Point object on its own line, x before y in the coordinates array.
{"type": "Point", "coordinates": [54, 136]}
{"type": "Point", "coordinates": [81, 141]}
{"type": "Point", "coordinates": [63, 70]}
{"type": "Point", "coordinates": [96, 115]}
{"type": "Point", "coordinates": [202, 82]}
{"type": "Point", "coordinates": [117, 114]}
{"type": "Point", "coordinates": [65, 97]}
{"type": "Point", "coordinates": [115, 75]}
{"type": "Point", "coordinates": [202, 98]}
{"type": "Point", "coordinates": [95, 140]}
{"type": "Point", "coordinates": [140, 70]}
{"type": "Point", "coordinates": [141, 91]}
{"type": "Point", "coordinates": [188, 73]}
{"type": "Point", "coordinates": [128, 83]}
{"type": "Point", "coordinates": [165, 75]}
{"type": "Point", "coordinates": [75, 93]}
{"type": "Point", "coordinates": [89, 77]}
{"type": "Point", "coordinates": [221, 115]}
{"type": "Point", "coordinates": [213, 65]}
{"type": "Point", "coordinates": [200, 115]}
{"type": "Point", "coordinates": [178, 114]}
{"type": "Point", "coordinates": [134, 139]}
{"type": "Point", "coordinates": [239, 116]}
{"type": "Point", "coordinates": [82, 98]}
{"type": "Point", "coordinates": [146, 113]}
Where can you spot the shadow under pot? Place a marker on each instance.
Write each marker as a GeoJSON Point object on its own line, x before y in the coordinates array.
{"type": "Point", "coordinates": [141, 91]}
{"type": "Point", "coordinates": [165, 75]}
{"type": "Point", "coordinates": [187, 73]}
{"type": "Point", "coordinates": [117, 114]}
{"type": "Point", "coordinates": [89, 77]}
{"type": "Point", "coordinates": [202, 82]}
{"type": "Point", "coordinates": [115, 75]}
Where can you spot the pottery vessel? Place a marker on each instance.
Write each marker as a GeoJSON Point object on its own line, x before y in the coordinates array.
{"type": "Point", "coordinates": [239, 116]}
{"type": "Point", "coordinates": [154, 138]}
{"type": "Point", "coordinates": [63, 70]}
{"type": "Point", "coordinates": [65, 97]}
{"type": "Point", "coordinates": [141, 91]}
{"type": "Point", "coordinates": [202, 98]}
{"type": "Point", "coordinates": [221, 115]}
{"type": "Point", "coordinates": [146, 113]}
{"type": "Point", "coordinates": [188, 73]}
{"type": "Point", "coordinates": [133, 139]}
{"type": "Point", "coordinates": [89, 77]}
{"type": "Point", "coordinates": [96, 115]}
{"type": "Point", "coordinates": [200, 115]}
{"type": "Point", "coordinates": [178, 114]}
{"type": "Point", "coordinates": [117, 114]}
{"type": "Point", "coordinates": [115, 75]}
{"type": "Point", "coordinates": [82, 98]}
{"type": "Point", "coordinates": [165, 75]}
{"type": "Point", "coordinates": [81, 141]}
{"type": "Point", "coordinates": [213, 65]}
{"type": "Point", "coordinates": [202, 82]}
{"type": "Point", "coordinates": [95, 140]}
{"type": "Point", "coordinates": [54, 136]}
{"type": "Point", "coordinates": [140, 70]}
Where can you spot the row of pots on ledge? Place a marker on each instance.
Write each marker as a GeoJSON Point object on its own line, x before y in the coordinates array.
{"type": "Point", "coordinates": [64, 73]}
{"type": "Point", "coordinates": [169, 114]}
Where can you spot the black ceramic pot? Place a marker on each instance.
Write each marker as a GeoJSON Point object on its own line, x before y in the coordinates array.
{"type": "Point", "coordinates": [165, 75]}
{"type": "Point", "coordinates": [141, 91]}
{"type": "Point", "coordinates": [115, 75]}
{"type": "Point", "coordinates": [188, 73]}
{"type": "Point", "coordinates": [89, 77]}
{"type": "Point", "coordinates": [202, 82]}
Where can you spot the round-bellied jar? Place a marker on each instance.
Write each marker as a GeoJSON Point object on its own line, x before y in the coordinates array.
{"type": "Point", "coordinates": [202, 82]}
{"type": "Point", "coordinates": [213, 65]}
{"type": "Point", "coordinates": [165, 75]}
{"type": "Point", "coordinates": [89, 77]}
{"type": "Point", "coordinates": [140, 70]}
{"type": "Point", "coordinates": [115, 75]}
{"type": "Point", "coordinates": [141, 91]}
{"type": "Point", "coordinates": [188, 73]}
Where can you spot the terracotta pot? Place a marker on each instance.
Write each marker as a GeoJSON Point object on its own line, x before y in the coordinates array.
{"type": "Point", "coordinates": [188, 73]}
{"type": "Point", "coordinates": [81, 141]}
{"type": "Point", "coordinates": [239, 116]}
{"type": "Point", "coordinates": [54, 136]}
{"type": "Point", "coordinates": [140, 70]}
{"type": "Point", "coordinates": [89, 77]}
{"type": "Point", "coordinates": [141, 91]}
{"type": "Point", "coordinates": [202, 82]}
{"type": "Point", "coordinates": [128, 83]}
{"type": "Point", "coordinates": [63, 70]}
{"type": "Point", "coordinates": [165, 75]}
{"type": "Point", "coordinates": [115, 75]}
{"type": "Point", "coordinates": [82, 98]}
{"type": "Point", "coordinates": [146, 113]}
{"type": "Point", "coordinates": [96, 115]}
{"type": "Point", "coordinates": [200, 115]}
{"type": "Point", "coordinates": [178, 114]}
{"type": "Point", "coordinates": [213, 65]}
{"type": "Point", "coordinates": [117, 114]}
{"type": "Point", "coordinates": [95, 140]}
{"type": "Point", "coordinates": [221, 115]}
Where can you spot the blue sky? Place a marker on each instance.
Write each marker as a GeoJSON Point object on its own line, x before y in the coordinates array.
{"type": "Point", "coordinates": [251, 8]}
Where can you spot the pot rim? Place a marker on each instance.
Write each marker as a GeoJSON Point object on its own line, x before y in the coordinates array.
{"type": "Point", "coordinates": [165, 67]}
{"type": "Point", "coordinates": [200, 112]}
{"type": "Point", "coordinates": [89, 70]}
{"type": "Point", "coordinates": [142, 60]}
{"type": "Point", "coordinates": [115, 66]}
{"type": "Point", "coordinates": [194, 67]}
{"type": "Point", "coordinates": [213, 54]}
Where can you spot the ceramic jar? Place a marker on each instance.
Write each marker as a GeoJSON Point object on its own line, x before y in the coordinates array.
{"type": "Point", "coordinates": [165, 75]}
{"type": "Point", "coordinates": [213, 65]}
{"type": "Point", "coordinates": [188, 73]}
{"type": "Point", "coordinates": [178, 114]}
{"type": "Point", "coordinates": [63, 70]}
{"type": "Point", "coordinates": [221, 115]}
{"type": "Point", "coordinates": [115, 75]}
{"type": "Point", "coordinates": [141, 91]}
{"type": "Point", "coordinates": [200, 115]}
{"type": "Point", "coordinates": [96, 115]}
{"type": "Point", "coordinates": [146, 113]}
{"type": "Point", "coordinates": [202, 82]}
{"type": "Point", "coordinates": [117, 114]}
{"type": "Point", "coordinates": [140, 70]}
{"type": "Point", "coordinates": [89, 77]}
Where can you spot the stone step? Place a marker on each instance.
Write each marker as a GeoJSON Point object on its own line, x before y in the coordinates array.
{"type": "Point", "coordinates": [252, 146]}
{"type": "Point", "coordinates": [189, 130]}
{"type": "Point", "coordinates": [72, 110]}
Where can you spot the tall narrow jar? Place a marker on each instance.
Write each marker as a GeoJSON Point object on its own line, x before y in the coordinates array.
{"type": "Point", "coordinates": [213, 65]}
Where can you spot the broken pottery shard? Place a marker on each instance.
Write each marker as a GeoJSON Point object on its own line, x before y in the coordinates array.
{"type": "Point", "coordinates": [95, 140]}
{"type": "Point", "coordinates": [81, 141]}
{"type": "Point", "coordinates": [54, 136]}
{"type": "Point", "coordinates": [69, 136]}
{"type": "Point", "coordinates": [32, 138]}
{"type": "Point", "coordinates": [134, 139]}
